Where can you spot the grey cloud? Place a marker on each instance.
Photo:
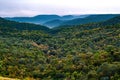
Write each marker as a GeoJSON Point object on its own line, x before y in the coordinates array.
{"type": "Point", "coordinates": [35, 7]}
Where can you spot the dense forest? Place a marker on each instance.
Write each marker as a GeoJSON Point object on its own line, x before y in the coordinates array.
{"type": "Point", "coordinates": [76, 52]}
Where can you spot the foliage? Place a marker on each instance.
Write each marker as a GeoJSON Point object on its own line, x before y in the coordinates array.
{"type": "Point", "coordinates": [84, 52]}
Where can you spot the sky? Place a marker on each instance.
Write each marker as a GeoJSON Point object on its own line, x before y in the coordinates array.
{"type": "Point", "coordinates": [12, 8]}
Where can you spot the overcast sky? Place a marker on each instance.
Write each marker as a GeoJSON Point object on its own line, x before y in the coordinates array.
{"type": "Point", "coordinates": [60, 7]}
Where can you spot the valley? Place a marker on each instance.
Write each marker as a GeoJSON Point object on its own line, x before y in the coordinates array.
{"type": "Point", "coordinates": [83, 48]}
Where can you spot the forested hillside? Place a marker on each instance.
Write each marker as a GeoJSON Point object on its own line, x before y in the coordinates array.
{"type": "Point", "coordinates": [52, 21]}
{"type": "Point", "coordinates": [21, 26]}
{"type": "Point", "coordinates": [77, 21]}
{"type": "Point", "coordinates": [90, 19]}
{"type": "Point", "coordinates": [80, 52]}
{"type": "Point", "coordinates": [45, 19]}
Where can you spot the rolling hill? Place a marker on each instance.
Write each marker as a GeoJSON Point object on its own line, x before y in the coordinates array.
{"type": "Point", "coordinates": [90, 19]}
{"type": "Point", "coordinates": [39, 19]}
{"type": "Point", "coordinates": [112, 21]}
{"type": "Point", "coordinates": [80, 20]}
{"type": "Point", "coordinates": [53, 23]}
{"type": "Point", "coordinates": [21, 26]}
{"type": "Point", "coordinates": [80, 52]}
{"type": "Point", "coordinates": [43, 19]}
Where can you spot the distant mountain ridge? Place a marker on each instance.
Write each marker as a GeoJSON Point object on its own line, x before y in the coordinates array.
{"type": "Point", "coordinates": [21, 26]}
{"type": "Point", "coordinates": [39, 19]}
{"type": "Point", "coordinates": [42, 19]}
{"type": "Point", "coordinates": [90, 19]}
{"type": "Point", "coordinates": [52, 21]}
{"type": "Point", "coordinates": [112, 21]}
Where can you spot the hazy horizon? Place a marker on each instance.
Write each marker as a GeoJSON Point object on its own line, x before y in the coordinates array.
{"type": "Point", "coordinates": [28, 8]}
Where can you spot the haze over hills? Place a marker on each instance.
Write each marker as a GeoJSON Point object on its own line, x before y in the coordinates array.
{"type": "Point", "coordinates": [78, 21]}
{"type": "Point", "coordinates": [42, 19]}
{"type": "Point", "coordinates": [54, 23]}
{"type": "Point", "coordinates": [21, 26]}
{"type": "Point", "coordinates": [39, 19]}
{"type": "Point", "coordinates": [112, 21]}
{"type": "Point", "coordinates": [90, 19]}
{"type": "Point", "coordinates": [56, 20]}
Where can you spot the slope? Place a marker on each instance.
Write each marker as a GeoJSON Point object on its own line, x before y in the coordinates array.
{"type": "Point", "coordinates": [82, 52]}
{"type": "Point", "coordinates": [21, 26]}
{"type": "Point", "coordinates": [90, 19]}
{"type": "Point", "coordinates": [39, 19]}
{"type": "Point", "coordinates": [43, 19]}
{"type": "Point", "coordinates": [112, 21]}
{"type": "Point", "coordinates": [53, 23]}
